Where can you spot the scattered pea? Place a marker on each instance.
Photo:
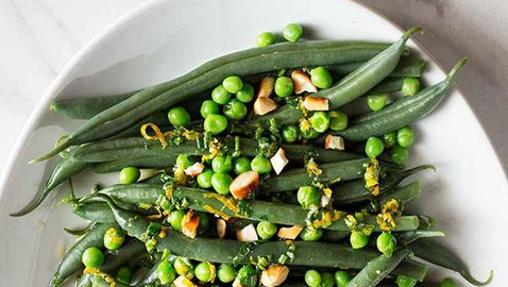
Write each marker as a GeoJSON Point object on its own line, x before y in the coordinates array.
{"type": "Point", "coordinates": [386, 243]}
{"type": "Point", "coordinates": [308, 196]}
{"type": "Point", "coordinates": [232, 84]}
{"type": "Point", "coordinates": [182, 265]}
{"type": "Point", "coordinates": [113, 238]}
{"type": "Point", "coordinates": [242, 164]}
{"type": "Point", "coordinates": [235, 110]}
{"type": "Point", "coordinates": [222, 163]}
{"type": "Point", "coordinates": [374, 147]}
{"type": "Point", "coordinates": [390, 139]}
{"type": "Point", "coordinates": [377, 102]}
{"type": "Point", "coordinates": [283, 86]}
{"type": "Point", "coordinates": [221, 182]}
{"type": "Point", "coordinates": [311, 234]}
{"type": "Point", "coordinates": [166, 272]}
{"type": "Point", "coordinates": [399, 154]}
{"type": "Point", "coordinates": [204, 179]}
{"type": "Point", "coordinates": [320, 121]}
{"type": "Point", "coordinates": [246, 94]}
{"type": "Point", "coordinates": [410, 86]}
{"type": "Point", "coordinates": [338, 121]}
{"type": "Point", "coordinates": [266, 229]}
{"type": "Point", "coordinates": [247, 276]}
{"type": "Point", "coordinates": [327, 280]}
{"type": "Point", "coordinates": [209, 107]}
{"type": "Point", "coordinates": [178, 116]}
{"type": "Point", "coordinates": [220, 95]}
{"type": "Point", "coordinates": [404, 281]}
{"type": "Point", "coordinates": [226, 273]}
{"type": "Point", "coordinates": [265, 39]}
{"type": "Point", "coordinates": [321, 78]}
{"type": "Point", "coordinates": [312, 278]}
{"type": "Point", "coordinates": [92, 257]}
{"type": "Point", "coordinates": [261, 164]}
{"type": "Point", "coordinates": [293, 32]}
{"type": "Point", "coordinates": [215, 124]}
{"type": "Point", "coordinates": [205, 272]}
{"type": "Point", "coordinates": [175, 219]}
{"type": "Point", "coordinates": [405, 137]}
{"type": "Point", "coordinates": [358, 240]}
{"type": "Point", "coordinates": [183, 161]}
{"type": "Point", "coordinates": [290, 133]}
{"type": "Point", "coordinates": [129, 175]}
{"type": "Point", "coordinates": [342, 278]}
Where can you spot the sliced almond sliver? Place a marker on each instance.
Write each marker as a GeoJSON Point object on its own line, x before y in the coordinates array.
{"type": "Point", "coordinates": [279, 160]}
{"type": "Point", "coordinates": [195, 169]}
{"type": "Point", "coordinates": [244, 184]}
{"type": "Point", "coordinates": [302, 82]}
{"type": "Point", "coordinates": [311, 103]}
{"type": "Point", "coordinates": [274, 275]}
{"type": "Point", "coordinates": [263, 106]}
{"type": "Point", "coordinates": [190, 224]}
{"type": "Point", "coordinates": [265, 87]}
{"type": "Point", "coordinates": [248, 233]}
{"type": "Point", "coordinates": [221, 228]}
{"type": "Point", "coordinates": [290, 232]}
{"type": "Point", "coordinates": [334, 142]}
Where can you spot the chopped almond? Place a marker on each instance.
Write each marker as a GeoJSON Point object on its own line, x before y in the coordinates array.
{"type": "Point", "coordinates": [266, 87]}
{"type": "Point", "coordinates": [248, 233]}
{"type": "Point", "coordinates": [195, 169]}
{"type": "Point", "coordinates": [263, 106]}
{"type": "Point", "coordinates": [274, 276]}
{"type": "Point", "coordinates": [289, 232]}
{"type": "Point", "coordinates": [182, 281]}
{"type": "Point", "coordinates": [244, 184]}
{"type": "Point", "coordinates": [190, 224]}
{"type": "Point", "coordinates": [279, 160]}
{"type": "Point", "coordinates": [221, 228]}
{"type": "Point", "coordinates": [315, 103]}
{"type": "Point", "coordinates": [237, 283]}
{"type": "Point", "coordinates": [302, 82]}
{"type": "Point", "coordinates": [334, 142]}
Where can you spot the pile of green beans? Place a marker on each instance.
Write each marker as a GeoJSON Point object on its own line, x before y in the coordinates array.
{"type": "Point", "coordinates": [262, 177]}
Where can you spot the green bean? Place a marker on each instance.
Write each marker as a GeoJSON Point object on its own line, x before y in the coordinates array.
{"type": "Point", "coordinates": [94, 211]}
{"type": "Point", "coordinates": [389, 85]}
{"type": "Point", "coordinates": [201, 200]}
{"type": "Point", "coordinates": [79, 231]}
{"type": "Point", "coordinates": [377, 269]}
{"type": "Point", "coordinates": [64, 169]}
{"type": "Point", "coordinates": [91, 280]}
{"type": "Point", "coordinates": [408, 66]}
{"type": "Point", "coordinates": [354, 191]}
{"type": "Point", "coordinates": [251, 61]}
{"type": "Point", "coordinates": [438, 254]}
{"type": "Point", "coordinates": [85, 108]}
{"type": "Point", "coordinates": [140, 162]}
{"type": "Point", "coordinates": [401, 113]}
{"type": "Point", "coordinates": [353, 85]}
{"type": "Point", "coordinates": [409, 237]}
{"type": "Point", "coordinates": [71, 262]}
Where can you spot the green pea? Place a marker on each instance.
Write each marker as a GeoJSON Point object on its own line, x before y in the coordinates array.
{"type": "Point", "coordinates": [327, 280]}
{"type": "Point", "coordinates": [338, 120]}
{"type": "Point", "coordinates": [221, 182]}
{"type": "Point", "coordinates": [342, 278]}
{"type": "Point", "coordinates": [246, 94]}
{"type": "Point", "coordinates": [183, 161]}
{"type": "Point", "coordinates": [124, 275]}
{"type": "Point", "coordinates": [222, 163]}
{"type": "Point", "coordinates": [265, 39]}
{"type": "Point", "coordinates": [204, 179]}
{"type": "Point", "coordinates": [312, 278]}
{"type": "Point", "coordinates": [226, 273]}
{"type": "Point", "coordinates": [321, 78]}
{"type": "Point", "coordinates": [232, 84]}
{"type": "Point", "coordinates": [166, 272]}
{"type": "Point", "coordinates": [242, 164]}
{"type": "Point", "coordinates": [220, 95]}
{"type": "Point", "coordinates": [386, 243]}
{"type": "Point", "coordinates": [405, 137]}
{"type": "Point", "coordinates": [404, 281]}
{"type": "Point", "coordinates": [374, 147]}
{"type": "Point", "coordinates": [247, 276]}
{"type": "Point", "coordinates": [113, 238]}
{"type": "Point", "coordinates": [215, 124]}
{"type": "Point", "coordinates": [377, 102]}
{"type": "Point", "coordinates": [399, 155]}
{"type": "Point", "coordinates": [204, 272]}
{"type": "Point", "coordinates": [358, 240]}
{"type": "Point", "coordinates": [290, 133]}
{"type": "Point", "coordinates": [178, 116]}
{"type": "Point", "coordinates": [266, 229]}
{"type": "Point", "coordinates": [283, 86]}
{"type": "Point", "coordinates": [261, 165]}
{"type": "Point", "coordinates": [293, 32]}
{"type": "Point", "coordinates": [92, 257]}
{"type": "Point", "coordinates": [320, 121]}
{"type": "Point", "coordinates": [308, 196]}
{"type": "Point", "coordinates": [182, 265]}
{"type": "Point", "coordinates": [209, 107]}
{"type": "Point", "coordinates": [175, 219]}
{"type": "Point", "coordinates": [447, 282]}
{"type": "Point", "coordinates": [390, 139]}
{"type": "Point", "coordinates": [410, 86]}
{"type": "Point", "coordinates": [129, 175]}
{"type": "Point", "coordinates": [235, 110]}
{"type": "Point", "coordinates": [311, 234]}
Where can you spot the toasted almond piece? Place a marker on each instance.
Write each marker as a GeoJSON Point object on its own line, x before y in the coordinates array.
{"type": "Point", "coordinates": [274, 275]}
{"type": "Point", "coordinates": [263, 106]}
{"type": "Point", "coordinates": [237, 283]}
{"type": "Point", "coordinates": [221, 228]}
{"type": "Point", "coordinates": [190, 224]}
{"type": "Point", "coordinates": [248, 233]}
{"type": "Point", "coordinates": [279, 160]}
{"type": "Point", "coordinates": [334, 142]}
{"type": "Point", "coordinates": [182, 281]}
{"type": "Point", "coordinates": [266, 87]}
{"type": "Point", "coordinates": [311, 103]}
{"type": "Point", "coordinates": [195, 169]}
{"type": "Point", "coordinates": [302, 82]}
{"type": "Point", "coordinates": [244, 184]}
{"type": "Point", "coordinates": [325, 200]}
{"type": "Point", "coordinates": [290, 232]}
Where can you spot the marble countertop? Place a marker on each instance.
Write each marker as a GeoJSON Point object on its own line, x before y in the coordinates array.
{"type": "Point", "coordinates": [40, 36]}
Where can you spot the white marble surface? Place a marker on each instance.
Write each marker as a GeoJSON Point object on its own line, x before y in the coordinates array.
{"type": "Point", "coordinates": [39, 36]}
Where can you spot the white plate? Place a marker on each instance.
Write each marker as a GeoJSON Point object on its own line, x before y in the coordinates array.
{"type": "Point", "coordinates": [163, 39]}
